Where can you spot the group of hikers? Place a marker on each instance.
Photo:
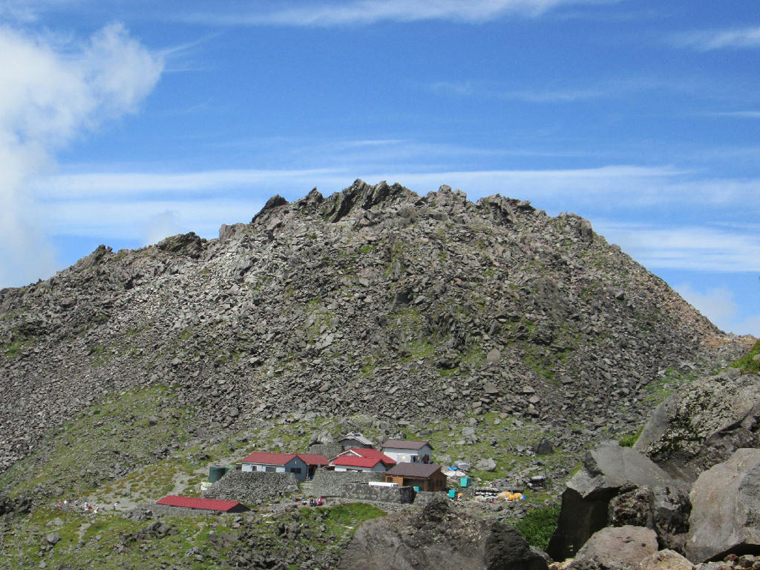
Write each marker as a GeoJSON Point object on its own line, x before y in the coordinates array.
{"type": "Point", "coordinates": [86, 507]}
{"type": "Point", "coordinates": [312, 502]}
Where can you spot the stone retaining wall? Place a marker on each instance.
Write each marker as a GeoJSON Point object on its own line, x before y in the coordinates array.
{"type": "Point", "coordinates": [252, 487]}
{"type": "Point", "coordinates": [355, 485]}
{"type": "Point", "coordinates": [332, 483]}
{"type": "Point", "coordinates": [366, 492]}
{"type": "Point", "coordinates": [424, 497]}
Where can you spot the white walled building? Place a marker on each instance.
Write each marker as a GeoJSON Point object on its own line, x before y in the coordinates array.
{"type": "Point", "coordinates": [408, 451]}
{"type": "Point", "coordinates": [276, 463]}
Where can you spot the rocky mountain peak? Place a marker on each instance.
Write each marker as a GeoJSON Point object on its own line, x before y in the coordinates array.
{"type": "Point", "coordinates": [374, 300]}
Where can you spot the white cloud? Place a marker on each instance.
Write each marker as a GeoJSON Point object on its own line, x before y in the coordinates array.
{"type": "Point", "coordinates": [147, 220]}
{"type": "Point", "coordinates": [690, 248]}
{"type": "Point", "coordinates": [160, 226]}
{"type": "Point", "coordinates": [719, 39]}
{"type": "Point", "coordinates": [53, 91]}
{"type": "Point", "coordinates": [136, 183]}
{"type": "Point", "coordinates": [371, 11]}
{"type": "Point", "coordinates": [719, 305]}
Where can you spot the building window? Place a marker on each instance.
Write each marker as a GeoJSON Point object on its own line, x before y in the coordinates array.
{"type": "Point", "coordinates": [271, 469]}
{"type": "Point", "coordinates": [296, 470]}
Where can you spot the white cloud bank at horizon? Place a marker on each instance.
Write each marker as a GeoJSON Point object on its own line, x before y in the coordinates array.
{"type": "Point", "coordinates": [719, 305]}
{"type": "Point", "coordinates": [53, 91]}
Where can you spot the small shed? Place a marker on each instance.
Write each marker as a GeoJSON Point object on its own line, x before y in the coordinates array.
{"type": "Point", "coordinates": [425, 476]}
{"type": "Point", "coordinates": [356, 440]}
{"type": "Point", "coordinates": [202, 504]}
{"type": "Point", "coordinates": [408, 450]}
{"type": "Point", "coordinates": [276, 463]}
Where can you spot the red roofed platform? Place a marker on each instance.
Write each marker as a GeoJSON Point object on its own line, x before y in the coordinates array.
{"type": "Point", "coordinates": [202, 504]}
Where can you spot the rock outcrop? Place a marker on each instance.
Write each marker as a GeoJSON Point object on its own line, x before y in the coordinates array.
{"type": "Point", "coordinates": [607, 471]}
{"type": "Point", "coordinates": [725, 517]}
{"type": "Point", "coordinates": [697, 428]}
{"type": "Point", "coordinates": [438, 537]}
{"type": "Point", "coordinates": [358, 303]}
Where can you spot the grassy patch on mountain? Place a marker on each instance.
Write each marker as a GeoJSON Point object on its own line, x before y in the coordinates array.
{"type": "Point", "coordinates": [658, 390]}
{"type": "Point", "coordinates": [750, 362]}
{"type": "Point", "coordinates": [509, 442]}
{"type": "Point", "coordinates": [126, 431]}
{"type": "Point", "coordinates": [109, 542]}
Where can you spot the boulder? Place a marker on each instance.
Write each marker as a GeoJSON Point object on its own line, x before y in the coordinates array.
{"type": "Point", "coordinates": [663, 509]}
{"type": "Point", "coordinates": [585, 502]}
{"type": "Point", "coordinates": [616, 548]}
{"type": "Point", "coordinates": [438, 537]}
{"type": "Point", "coordinates": [487, 464]}
{"type": "Point", "coordinates": [697, 428]}
{"type": "Point", "coordinates": [725, 516]}
{"type": "Point", "coordinates": [665, 560]}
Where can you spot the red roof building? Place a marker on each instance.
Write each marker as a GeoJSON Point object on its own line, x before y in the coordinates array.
{"type": "Point", "coordinates": [263, 458]}
{"type": "Point", "coordinates": [313, 459]}
{"type": "Point", "coordinates": [373, 454]}
{"type": "Point", "coordinates": [313, 462]}
{"type": "Point", "coordinates": [354, 463]}
{"type": "Point", "coordinates": [202, 504]}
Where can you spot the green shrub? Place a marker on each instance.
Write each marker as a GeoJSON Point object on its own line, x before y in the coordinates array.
{"type": "Point", "coordinates": [538, 526]}
{"type": "Point", "coordinates": [630, 438]}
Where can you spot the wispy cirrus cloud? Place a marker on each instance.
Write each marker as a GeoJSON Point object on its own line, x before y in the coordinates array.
{"type": "Point", "coordinates": [708, 40]}
{"type": "Point", "coordinates": [126, 184]}
{"type": "Point", "coordinates": [614, 88]}
{"type": "Point", "coordinates": [469, 89]}
{"type": "Point", "coordinates": [695, 248]}
{"type": "Point", "coordinates": [358, 12]}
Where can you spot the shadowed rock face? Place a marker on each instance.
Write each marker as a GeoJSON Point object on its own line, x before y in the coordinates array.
{"type": "Point", "coordinates": [607, 470]}
{"type": "Point", "coordinates": [361, 302]}
{"type": "Point", "coordinates": [725, 515]}
{"type": "Point", "coordinates": [438, 537]}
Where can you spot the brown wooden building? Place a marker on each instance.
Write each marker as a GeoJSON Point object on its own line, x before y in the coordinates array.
{"type": "Point", "coordinates": [426, 476]}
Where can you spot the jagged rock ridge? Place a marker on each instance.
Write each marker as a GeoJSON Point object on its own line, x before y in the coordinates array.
{"type": "Point", "coordinates": [372, 300]}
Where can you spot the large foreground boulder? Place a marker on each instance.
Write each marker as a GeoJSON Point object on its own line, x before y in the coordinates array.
{"type": "Point", "coordinates": [438, 537]}
{"type": "Point", "coordinates": [616, 548]}
{"type": "Point", "coordinates": [725, 515]}
{"type": "Point", "coordinates": [703, 425]}
{"type": "Point", "coordinates": [586, 500]}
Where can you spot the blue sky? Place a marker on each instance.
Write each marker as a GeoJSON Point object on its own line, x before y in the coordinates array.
{"type": "Point", "coordinates": [123, 121]}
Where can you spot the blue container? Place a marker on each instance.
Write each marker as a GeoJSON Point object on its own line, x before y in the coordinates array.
{"type": "Point", "coordinates": [464, 482]}
{"type": "Point", "coordinates": [452, 494]}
